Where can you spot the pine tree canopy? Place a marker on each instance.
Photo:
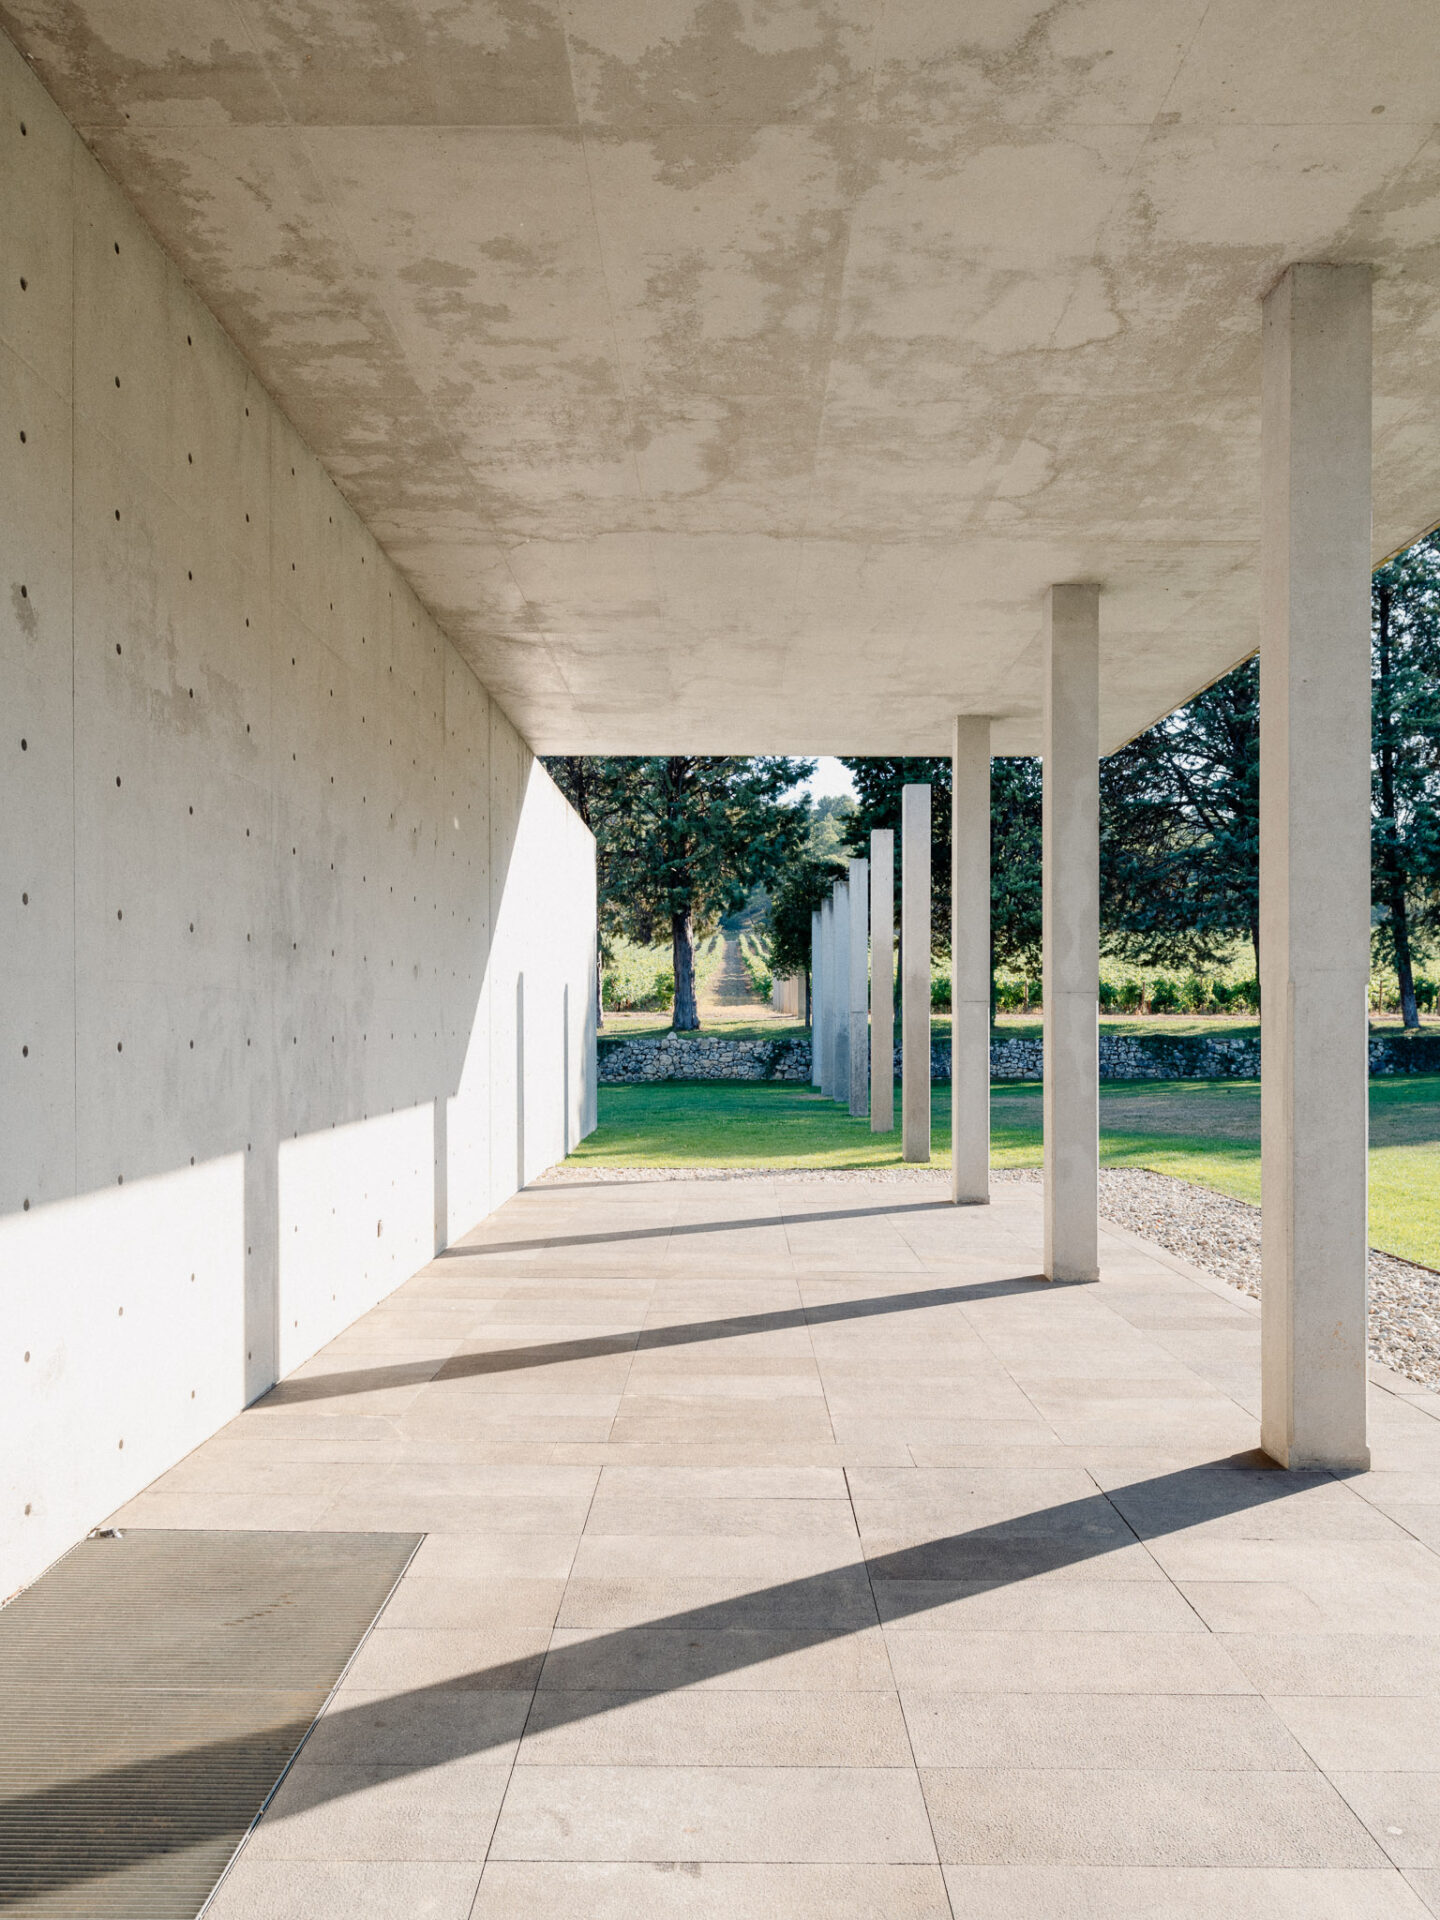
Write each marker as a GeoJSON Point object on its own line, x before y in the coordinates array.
{"type": "Point", "coordinates": [1405, 778]}
{"type": "Point", "coordinates": [682, 840]}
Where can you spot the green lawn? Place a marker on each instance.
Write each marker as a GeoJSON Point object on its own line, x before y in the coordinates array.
{"type": "Point", "coordinates": [1207, 1131]}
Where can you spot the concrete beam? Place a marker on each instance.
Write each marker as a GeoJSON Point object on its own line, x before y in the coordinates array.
{"type": "Point", "coordinates": [1071, 931]}
{"type": "Point", "coordinates": [915, 972]}
{"type": "Point", "coordinates": [1315, 863]}
{"type": "Point", "coordinates": [882, 981]}
{"type": "Point", "coordinates": [970, 961]}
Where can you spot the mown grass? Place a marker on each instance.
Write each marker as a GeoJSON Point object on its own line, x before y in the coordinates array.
{"type": "Point", "coordinates": [1205, 1131]}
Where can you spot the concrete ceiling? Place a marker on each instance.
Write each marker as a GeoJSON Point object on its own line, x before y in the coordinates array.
{"type": "Point", "coordinates": [735, 376]}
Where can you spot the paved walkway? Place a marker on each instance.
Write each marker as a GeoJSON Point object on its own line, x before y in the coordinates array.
{"type": "Point", "coordinates": [793, 1552]}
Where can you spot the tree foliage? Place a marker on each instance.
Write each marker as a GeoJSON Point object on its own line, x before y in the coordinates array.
{"type": "Point", "coordinates": [799, 892]}
{"type": "Point", "coordinates": [682, 840]}
{"type": "Point", "coordinates": [1179, 835]}
{"type": "Point", "coordinates": [878, 784]}
{"type": "Point", "coordinates": [1405, 778]}
{"type": "Point", "coordinates": [1014, 844]}
{"type": "Point", "coordinates": [1180, 830]}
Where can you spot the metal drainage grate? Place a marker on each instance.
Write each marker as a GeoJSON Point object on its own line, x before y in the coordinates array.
{"type": "Point", "coordinates": [153, 1688]}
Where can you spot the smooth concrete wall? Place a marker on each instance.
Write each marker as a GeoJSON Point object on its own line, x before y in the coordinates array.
{"type": "Point", "coordinates": [298, 936]}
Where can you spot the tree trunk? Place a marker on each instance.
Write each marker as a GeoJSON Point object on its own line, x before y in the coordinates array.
{"type": "Point", "coordinates": [686, 1018]}
{"type": "Point", "coordinates": [1404, 969]}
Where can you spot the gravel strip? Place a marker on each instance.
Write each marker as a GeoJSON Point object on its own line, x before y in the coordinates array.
{"type": "Point", "coordinates": [1223, 1236]}
{"type": "Point", "coordinates": [1208, 1229]}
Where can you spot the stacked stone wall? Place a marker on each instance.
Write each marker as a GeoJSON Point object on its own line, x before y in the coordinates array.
{"type": "Point", "coordinates": [699, 1056]}
{"type": "Point", "coordinates": [1123, 1056]}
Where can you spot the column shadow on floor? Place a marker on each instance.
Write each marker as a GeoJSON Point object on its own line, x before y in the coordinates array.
{"type": "Point", "coordinates": [463, 1366]}
{"type": "Point", "coordinates": [574, 1682]}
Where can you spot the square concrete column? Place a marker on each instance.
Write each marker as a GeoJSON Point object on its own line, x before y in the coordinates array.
{"type": "Point", "coordinates": [858, 981]}
{"type": "Point", "coordinates": [1070, 933]}
{"type": "Point", "coordinates": [915, 973]}
{"type": "Point", "coordinates": [840, 997]}
{"type": "Point", "coordinates": [1315, 864]}
{"type": "Point", "coordinates": [882, 981]}
{"type": "Point", "coordinates": [823, 1037]}
{"type": "Point", "coordinates": [970, 961]}
{"type": "Point", "coordinates": [814, 1008]}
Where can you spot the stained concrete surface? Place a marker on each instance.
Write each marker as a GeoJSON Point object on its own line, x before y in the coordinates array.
{"type": "Point", "coordinates": [792, 1549]}
{"type": "Point", "coordinates": [694, 360]}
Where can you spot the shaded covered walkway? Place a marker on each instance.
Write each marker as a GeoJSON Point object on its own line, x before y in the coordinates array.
{"type": "Point", "coordinates": [789, 1548]}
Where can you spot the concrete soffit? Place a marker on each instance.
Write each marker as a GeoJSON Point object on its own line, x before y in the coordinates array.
{"type": "Point", "coordinates": [738, 380]}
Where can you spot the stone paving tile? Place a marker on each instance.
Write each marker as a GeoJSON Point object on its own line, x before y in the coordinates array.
{"type": "Point", "coordinates": [1393, 1734]}
{"type": "Point", "coordinates": [424, 1728]}
{"type": "Point", "coordinates": [708, 1890]}
{"type": "Point", "coordinates": [724, 1483]}
{"type": "Point", "coordinates": [845, 1661]}
{"type": "Point", "coordinates": [763, 1559]}
{"type": "Point", "coordinates": [1071, 1601]}
{"type": "Point", "coordinates": [783, 1814]}
{"type": "Point", "coordinates": [792, 1519]}
{"type": "Point", "coordinates": [1179, 1893]}
{"type": "Point", "coordinates": [473, 1604]}
{"type": "Point", "coordinates": [775, 1532]}
{"type": "Point", "coordinates": [926, 1660]}
{"type": "Point", "coordinates": [1370, 1664]}
{"type": "Point", "coordinates": [1402, 1810]}
{"type": "Point", "coordinates": [399, 1660]}
{"type": "Point", "coordinates": [1092, 1816]}
{"type": "Point", "coordinates": [524, 1556]}
{"type": "Point", "coordinates": [383, 1812]}
{"type": "Point", "coordinates": [248, 1512]}
{"type": "Point", "coordinates": [1230, 1733]}
{"type": "Point", "coordinates": [842, 1598]}
{"type": "Point", "coordinates": [337, 1889]}
{"type": "Point", "coordinates": [716, 1728]}
{"type": "Point", "coordinates": [1420, 1520]}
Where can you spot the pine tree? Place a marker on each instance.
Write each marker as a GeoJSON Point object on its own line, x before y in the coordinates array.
{"type": "Point", "coordinates": [1180, 830]}
{"type": "Point", "coordinates": [1014, 845]}
{"type": "Point", "coordinates": [683, 839]}
{"type": "Point", "coordinates": [1405, 781]}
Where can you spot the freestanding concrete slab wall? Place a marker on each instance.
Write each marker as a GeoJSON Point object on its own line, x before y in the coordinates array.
{"type": "Point", "coordinates": [298, 936]}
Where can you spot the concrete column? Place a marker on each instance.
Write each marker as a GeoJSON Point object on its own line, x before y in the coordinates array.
{"type": "Point", "coordinates": [815, 964]}
{"type": "Point", "coordinates": [840, 997]}
{"type": "Point", "coordinates": [970, 961]}
{"type": "Point", "coordinates": [827, 942]}
{"type": "Point", "coordinates": [1315, 864]}
{"type": "Point", "coordinates": [882, 981]}
{"type": "Point", "coordinates": [1071, 932]}
{"type": "Point", "coordinates": [858, 997]}
{"type": "Point", "coordinates": [915, 972]}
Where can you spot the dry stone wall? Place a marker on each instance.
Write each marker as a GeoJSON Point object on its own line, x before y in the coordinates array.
{"type": "Point", "coordinates": [1221, 1056]}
